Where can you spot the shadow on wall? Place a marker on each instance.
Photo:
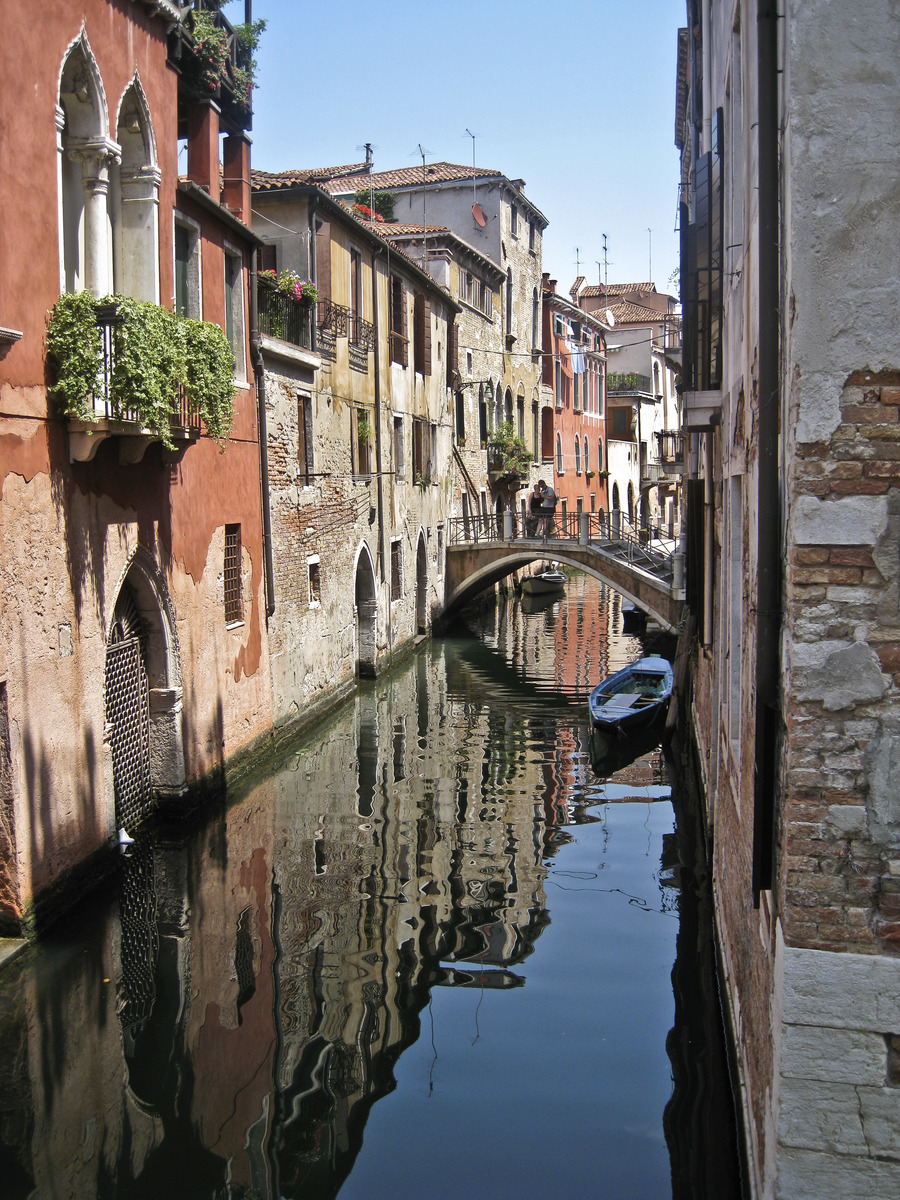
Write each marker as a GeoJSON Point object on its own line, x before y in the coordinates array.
{"type": "Point", "coordinates": [91, 497]}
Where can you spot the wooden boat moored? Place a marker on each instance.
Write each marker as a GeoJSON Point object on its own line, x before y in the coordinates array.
{"type": "Point", "coordinates": [545, 583]}
{"type": "Point", "coordinates": [633, 697]}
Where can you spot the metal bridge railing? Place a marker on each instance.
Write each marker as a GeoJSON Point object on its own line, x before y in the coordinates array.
{"type": "Point", "coordinates": [648, 548]}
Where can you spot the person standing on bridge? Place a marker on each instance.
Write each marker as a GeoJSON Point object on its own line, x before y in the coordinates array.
{"type": "Point", "coordinates": [548, 509]}
{"type": "Point", "coordinates": [535, 512]}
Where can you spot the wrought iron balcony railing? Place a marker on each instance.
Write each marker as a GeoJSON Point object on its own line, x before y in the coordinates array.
{"type": "Point", "coordinates": [628, 383]}
{"type": "Point", "coordinates": [332, 319]}
{"type": "Point", "coordinates": [283, 317]}
{"type": "Point", "coordinates": [108, 405]}
{"type": "Point", "coordinates": [362, 333]}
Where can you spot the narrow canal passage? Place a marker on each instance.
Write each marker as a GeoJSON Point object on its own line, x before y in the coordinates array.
{"type": "Point", "coordinates": [432, 953]}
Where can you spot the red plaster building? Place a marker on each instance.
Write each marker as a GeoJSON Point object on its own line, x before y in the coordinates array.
{"type": "Point", "coordinates": [575, 370]}
{"type": "Point", "coordinates": [133, 652]}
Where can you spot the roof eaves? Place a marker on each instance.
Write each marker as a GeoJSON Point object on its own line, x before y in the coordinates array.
{"type": "Point", "coordinates": [201, 196]}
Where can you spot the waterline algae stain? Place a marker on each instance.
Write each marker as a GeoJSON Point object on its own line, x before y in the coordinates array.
{"type": "Point", "coordinates": [433, 952]}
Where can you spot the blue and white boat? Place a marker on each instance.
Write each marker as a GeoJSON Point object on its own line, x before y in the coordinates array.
{"type": "Point", "coordinates": [633, 697]}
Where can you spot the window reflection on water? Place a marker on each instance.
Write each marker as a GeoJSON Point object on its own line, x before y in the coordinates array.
{"type": "Point", "coordinates": [227, 1025]}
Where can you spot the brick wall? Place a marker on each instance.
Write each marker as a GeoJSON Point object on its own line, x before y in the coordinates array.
{"type": "Point", "coordinates": [840, 875]}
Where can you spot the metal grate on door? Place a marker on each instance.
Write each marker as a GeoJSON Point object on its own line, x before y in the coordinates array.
{"type": "Point", "coordinates": [128, 712]}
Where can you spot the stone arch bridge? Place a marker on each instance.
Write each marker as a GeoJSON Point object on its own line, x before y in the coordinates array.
{"type": "Point", "coordinates": [485, 548]}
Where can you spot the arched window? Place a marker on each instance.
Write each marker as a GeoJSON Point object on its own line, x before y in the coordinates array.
{"type": "Point", "coordinates": [508, 409]}
{"type": "Point", "coordinates": [599, 454]}
{"type": "Point", "coordinates": [85, 153]}
{"type": "Point", "coordinates": [509, 301]}
{"type": "Point", "coordinates": [134, 200]}
{"type": "Point", "coordinates": [559, 455]}
{"type": "Point", "coordinates": [615, 498]}
{"type": "Point", "coordinates": [535, 320]}
{"type": "Point", "coordinates": [587, 456]}
{"type": "Point", "coordinates": [577, 455]}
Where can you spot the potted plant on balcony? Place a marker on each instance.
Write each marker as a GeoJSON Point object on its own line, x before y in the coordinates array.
{"type": "Point", "coordinates": [290, 284]}
{"type": "Point", "coordinates": [508, 457]}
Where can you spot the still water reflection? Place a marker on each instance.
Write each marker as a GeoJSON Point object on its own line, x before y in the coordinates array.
{"type": "Point", "coordinates": [433, 952]}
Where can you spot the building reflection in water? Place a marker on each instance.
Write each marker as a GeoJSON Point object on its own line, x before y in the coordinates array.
{"type": "Point", "coordinates": [225, 1027]}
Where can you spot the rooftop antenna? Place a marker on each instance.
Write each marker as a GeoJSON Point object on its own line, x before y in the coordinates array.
{"type": "Point", "coordinates": [577, 261]}
{"type": "Point", "coordinates": [604, 282]}
{"type": "Point", "coordinates": [477, 214]}
{"type": "Point", "coordinates": [423, 152]}
{"type": "Point", "coordinates": [472, 136]}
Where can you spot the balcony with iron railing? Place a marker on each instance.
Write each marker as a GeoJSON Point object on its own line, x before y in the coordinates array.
{"type": "Point", "coordinates": [670, 452]}
{"type": "Point", "coordinates": [283, 317]}
{"type": "Point", "coordinates": [114, 416]}
{"type": "Point", "coordinates": [628, 383]}
{"type": "Point", "coordinates": [214, 60]}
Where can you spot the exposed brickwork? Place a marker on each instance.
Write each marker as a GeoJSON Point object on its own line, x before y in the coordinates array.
{"type": "Point", "coordinates": [838, 891]}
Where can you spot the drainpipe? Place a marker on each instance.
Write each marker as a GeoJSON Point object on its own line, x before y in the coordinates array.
{"type": "Point", "coordinates": [769, 535]}
{"type": "Point", "coordinates": [262, 433]}
{"type": "Point", "coordinates": [377, 251]}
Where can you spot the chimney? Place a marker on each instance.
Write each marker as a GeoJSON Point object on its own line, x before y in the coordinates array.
{"type": "Point", "coordinates": [236, 171]}
{"type": "Point", "coordinates": [203, 146]}
{"type": "Point", "coordinates": [552, 284]}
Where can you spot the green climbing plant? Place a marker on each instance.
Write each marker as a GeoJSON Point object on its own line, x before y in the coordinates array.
{"type": "Point", "coordinates": [74, 350]}
{"type": "Point", "coordinates": [155, 356]}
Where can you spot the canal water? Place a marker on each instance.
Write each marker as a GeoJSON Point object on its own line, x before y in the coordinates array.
{"type": "Point", "coordinates": [445, 946]}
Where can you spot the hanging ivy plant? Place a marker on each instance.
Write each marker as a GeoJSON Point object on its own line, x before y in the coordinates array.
{"type": "Point", "coordinates": [74, 348]}
{"type": "Point", "coordinates": [209, 376]}
{"type": "Point", "coordinates": [155, 355]}
{"type": "Point", "coordinates": [148, 363]}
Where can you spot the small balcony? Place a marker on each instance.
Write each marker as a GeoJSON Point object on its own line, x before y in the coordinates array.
{"type": "Point", "coordinates": [651, 474]}
{"type": "Point", "coordinates": [701, 410]}
{"type": "Point", "coordinates": [670, 452]}
{"type": "Point", "coordinates": [280, 316]}
{"type": "Point", "coordinates": [507, 458]}
{"type": "Point", "coordinates": [628, 383]}
{"type": "Point", "coordinates": [114, 416]}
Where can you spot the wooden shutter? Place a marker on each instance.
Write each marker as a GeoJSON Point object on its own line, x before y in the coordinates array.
{"type": "Point", "coordinates": [452, 351]}
{"type": "Point", "coordinates": [422, 326]}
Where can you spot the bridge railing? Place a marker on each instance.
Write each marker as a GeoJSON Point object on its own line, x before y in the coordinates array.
{"type": "Point", "coordinates": [649, 547]}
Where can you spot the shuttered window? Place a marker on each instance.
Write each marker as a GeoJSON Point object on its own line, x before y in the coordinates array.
{"type": "Point", "coordinates": [422, 349]}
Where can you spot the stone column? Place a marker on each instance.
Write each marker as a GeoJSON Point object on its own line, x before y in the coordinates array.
{"type": "Point", "coordinates": [95, 159]}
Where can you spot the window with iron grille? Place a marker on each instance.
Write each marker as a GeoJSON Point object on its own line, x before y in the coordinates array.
{"type": "Point", "coordinates": [233, 603]}
{"type": "Point", "coordinates": [396, 570]}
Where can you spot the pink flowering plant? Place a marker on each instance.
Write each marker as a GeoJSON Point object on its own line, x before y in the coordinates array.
{"type": "Point", "coordinates": [210, 50]}
{"type": "Point", "coordinates": [289, 283]}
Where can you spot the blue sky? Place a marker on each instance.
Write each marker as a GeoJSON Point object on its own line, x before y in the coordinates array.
{"type": "Point", "coordinates": [577, 99]}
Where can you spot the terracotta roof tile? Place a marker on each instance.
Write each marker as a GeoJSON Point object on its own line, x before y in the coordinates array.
{"type": "Point", "coordinates": [395, 229]}
{"type": "Point", "coordinates": [627, 313]}
{"type": "Point", "coordinates": [616, 289]}
{"type": "Point", "coordinates": [440, 172]}
{"type": "Point", "coordinates": [271, 180]}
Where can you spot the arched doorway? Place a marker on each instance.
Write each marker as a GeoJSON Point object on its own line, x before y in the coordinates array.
{"type": "Point", "coordinates": [421, 587]}
{"type": "Point", "coordinates": [143, 695]}
{"type": "Point", "coordinates": [366, 615]}
{"type": "Point", "coordinates": [128, 711]}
